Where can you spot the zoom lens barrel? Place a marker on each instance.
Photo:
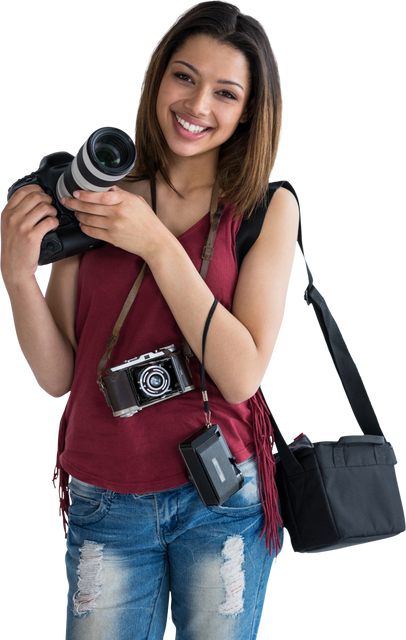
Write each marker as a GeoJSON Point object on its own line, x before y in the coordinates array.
{"type": "Point", "coordinates": [105, 158]}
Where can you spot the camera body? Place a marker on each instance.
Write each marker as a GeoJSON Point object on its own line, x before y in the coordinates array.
{"type": "Point", "coordinates": [103, 160]}
{"type": "Point", "coordinates": [145, 380]}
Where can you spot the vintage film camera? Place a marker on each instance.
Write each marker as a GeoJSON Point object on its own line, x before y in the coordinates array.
{"type": "Point", "coordinates": [145, 380]}
{"type": "Point", "coordinates": [104, 159]}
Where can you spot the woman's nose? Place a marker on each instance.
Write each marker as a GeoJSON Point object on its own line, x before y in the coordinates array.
{"type": "Point", "coordinates": [199, 103]}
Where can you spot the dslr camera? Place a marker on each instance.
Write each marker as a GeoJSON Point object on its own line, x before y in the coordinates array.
{"type": "Point", "coordinates": [104, 159]}
{"type": "Point", "coordinates": [145, 380]}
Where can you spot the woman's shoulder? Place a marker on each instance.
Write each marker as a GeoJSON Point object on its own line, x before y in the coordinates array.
{"type": "Point", "coordinates": [137, 187]}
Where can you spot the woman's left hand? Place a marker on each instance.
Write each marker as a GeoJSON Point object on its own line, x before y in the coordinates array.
{"type": "Point", "coordinates": [118, 217]}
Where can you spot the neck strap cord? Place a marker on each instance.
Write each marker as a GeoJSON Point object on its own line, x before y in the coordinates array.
{"type": "Point", "coordinates": [207, 411]}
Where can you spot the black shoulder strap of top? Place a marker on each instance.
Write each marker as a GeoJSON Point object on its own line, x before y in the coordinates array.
{"type": "Point", "coordinates": [251, 228]}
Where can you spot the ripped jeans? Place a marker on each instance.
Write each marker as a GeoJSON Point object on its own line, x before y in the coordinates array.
{"type": "Point", "coordinates": [127, 552]}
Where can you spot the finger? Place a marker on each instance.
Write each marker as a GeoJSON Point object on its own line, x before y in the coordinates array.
{"type": "Point", "coordinates": [77, 204]}
{"type": "Point", "coordinates": [29, 204]}
{"type": "Point", "coordinates": [22, 192]}
{"type": "Point", "coordinates": [108, 198]}
{"type": "Point", "coordinates": [91, 220]}
{"type": "Point", "coordinates": [90, 226]}
{"type": "Point", "coordinates": [89, 231]}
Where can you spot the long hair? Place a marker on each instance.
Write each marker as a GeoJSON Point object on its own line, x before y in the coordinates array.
{"type": "Point", "coordinates": [247, 158]}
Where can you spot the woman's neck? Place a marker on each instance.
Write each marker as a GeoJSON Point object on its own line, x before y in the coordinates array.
{"type": "Point", "coordinates": [190, 175]}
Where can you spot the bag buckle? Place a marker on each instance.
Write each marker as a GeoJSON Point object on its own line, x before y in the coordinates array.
{"type": "Point", "coordinates": [305, 297]}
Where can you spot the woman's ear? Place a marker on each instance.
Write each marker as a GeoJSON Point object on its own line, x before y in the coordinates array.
{"type": "Point", "coordinates": [244, 116]}
{"type": "Point", "coordinates": [247, 113]}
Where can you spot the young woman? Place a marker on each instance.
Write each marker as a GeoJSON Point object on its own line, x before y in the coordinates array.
{"type": "Point", "coordinates": [208, 123]}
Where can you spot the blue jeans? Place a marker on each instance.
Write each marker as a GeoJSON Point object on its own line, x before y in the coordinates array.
{"type": "Point", "coordinates": [126, 552]}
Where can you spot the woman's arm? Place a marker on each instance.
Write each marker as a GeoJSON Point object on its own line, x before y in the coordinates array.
{"type": "Point", "coordinates": [239, 344]}
{"type": "Point", "coordinates": [42, 331]}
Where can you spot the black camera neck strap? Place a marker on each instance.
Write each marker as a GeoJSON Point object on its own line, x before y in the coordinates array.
{"type": "Point", "coordinates": [207, 411]}
{"type": "Point", "coordinates": [216, 211]}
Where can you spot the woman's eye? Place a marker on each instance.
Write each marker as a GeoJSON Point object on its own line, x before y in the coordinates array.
{"type": "Point", "coordinates": [183, 76]}
{"type": "Point", "coordinates": [227, 94]}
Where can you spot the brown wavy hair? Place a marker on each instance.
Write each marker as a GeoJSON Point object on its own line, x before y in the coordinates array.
{"type": "Point", "coordinates": [247, 158]}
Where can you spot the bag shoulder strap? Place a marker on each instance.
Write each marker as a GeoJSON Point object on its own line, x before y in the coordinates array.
{"type": "Point", "coordinates": [341, 357]}
{"type": "Point", "coordinates": [251, 228]}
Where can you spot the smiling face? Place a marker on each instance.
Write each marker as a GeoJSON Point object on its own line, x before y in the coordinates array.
{"type": "Point", "coordinates": [203, 96]}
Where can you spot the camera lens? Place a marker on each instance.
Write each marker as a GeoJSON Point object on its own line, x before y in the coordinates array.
{"type": "Point", "coordinates": [105, 158]}
{"type": "Point", "coordinates": [111, 151]}
{"type": "Point", "coordinates": [107, 154]}
{"type": "Point", "coordinates": [153, 381]}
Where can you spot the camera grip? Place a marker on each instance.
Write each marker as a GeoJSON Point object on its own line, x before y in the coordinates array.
{"type": "Point", "coordinates": [65, 242]}
{"type": "Point", "coordinates": [119, 391]}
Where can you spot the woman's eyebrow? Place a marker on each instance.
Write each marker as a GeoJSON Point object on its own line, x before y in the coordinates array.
{"type": "Point", "coordinates": [192, 68]}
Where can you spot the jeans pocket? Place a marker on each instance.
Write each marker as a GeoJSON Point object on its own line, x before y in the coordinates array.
{"type": "Point", "coordinates": [88, 503]}
{"type": "Point", "coordinates": [247, 501]}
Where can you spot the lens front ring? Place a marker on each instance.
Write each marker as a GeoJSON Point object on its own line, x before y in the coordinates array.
{"type": "Point", "coordinates": [118, 141]}
{"type": "Point", "coordinates": [154, 381]}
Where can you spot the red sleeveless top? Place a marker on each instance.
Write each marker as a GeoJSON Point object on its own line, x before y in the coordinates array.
{"type": "Point", "coordinates": [140, 454]}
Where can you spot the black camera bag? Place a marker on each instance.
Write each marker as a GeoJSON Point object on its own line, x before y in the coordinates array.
{"type": "Point", "coordinates": [335, 493]}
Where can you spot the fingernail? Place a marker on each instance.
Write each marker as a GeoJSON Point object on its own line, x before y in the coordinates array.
{"type": "Point", "coordinates": [76, 194]}
{"type": "Point", "coordinates": [63, 200]}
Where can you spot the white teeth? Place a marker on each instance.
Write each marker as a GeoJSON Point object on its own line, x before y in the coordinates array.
{"type": "Point", "coordinates": [193, 128]}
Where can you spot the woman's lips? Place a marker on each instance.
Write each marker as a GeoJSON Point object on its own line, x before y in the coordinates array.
{"type": "Point", "coordinates": [190, 121]}
{"type": "Point", "coordinates": [188, 135]}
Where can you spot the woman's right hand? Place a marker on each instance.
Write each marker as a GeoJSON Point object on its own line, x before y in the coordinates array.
{"type": "Point", "coordinates": [27, 217]}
